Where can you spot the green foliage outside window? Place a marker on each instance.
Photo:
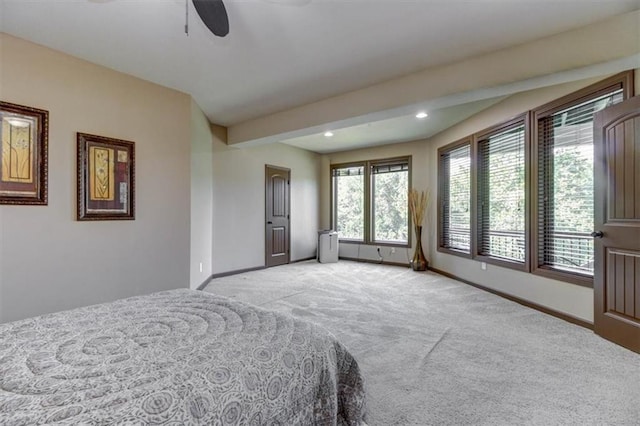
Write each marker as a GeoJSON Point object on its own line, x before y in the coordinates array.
{"type": "Point", "coordinates": [391, 218]}
{"type": "Point", "coordinates": [370, 201]}
{"type": "Point", "coordinates": [350, 206]}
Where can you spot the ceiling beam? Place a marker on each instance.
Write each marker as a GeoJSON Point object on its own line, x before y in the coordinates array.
{"type": "Point", "coordinates": [602, 48]}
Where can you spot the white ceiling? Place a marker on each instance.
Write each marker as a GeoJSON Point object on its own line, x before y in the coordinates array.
{"type": "Point", "coordinates": [285, 53]}
{"type": "Point", "coordinates": [392, 130]}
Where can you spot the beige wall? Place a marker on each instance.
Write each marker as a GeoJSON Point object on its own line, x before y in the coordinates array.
{"type": "Point", "coordinates": [198, 200]}
{"type": "Point", "coordinates": [49, 261]}
{"type": "Point", "coordinates": [239, 203]}
{"type": "Point", "coordinates": [201, 197]}
{"type": "Point", "coordinates": [567, 298]}
{"type": "Point", "coordinates": [564, 297]}
{"type": "Point", "coordinates": [420, 154]}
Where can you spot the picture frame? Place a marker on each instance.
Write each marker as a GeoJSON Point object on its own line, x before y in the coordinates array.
{"type": "Point", "coordinates": [106, 178]}
{"type": "Point", "coordinates": [24, 149]}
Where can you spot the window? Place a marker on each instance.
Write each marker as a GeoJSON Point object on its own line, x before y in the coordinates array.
{"type": "Point", "coordinates": [455, 197]}
{"type": "Point", "coordinates": [348, 205]}
{"type": "Point", "coordinates": [521, 194]}
{"type": "Point", "coordinates": [370, 201]}
{"type": "Point", "coordinates": [501, 192]}
{"type": "Point", "coordinates": [565, 186]}
{"type": "Point", "coordinates": [390, 192]}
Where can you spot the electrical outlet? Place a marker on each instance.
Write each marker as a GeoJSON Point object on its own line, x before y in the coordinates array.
{"type": "Point", "coordinates": [393, 249]}
{"type": "Point", "coordinates": [483, 265]}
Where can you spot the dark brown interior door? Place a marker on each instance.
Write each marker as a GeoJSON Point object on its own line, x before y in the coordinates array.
{"type": "Point", "coordinates": [617, 219]}
{"type": "Point", "coordinates": [277, 216]}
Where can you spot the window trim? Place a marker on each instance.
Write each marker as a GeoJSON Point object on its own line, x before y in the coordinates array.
{"type": "Point", "coordinates": [370, 165]}
{"type": "Point", "coordinates": [441, 189]}
{"type": "Point", "coordinates": [368, 201]}
{"type": "Point", "coordinates": [622, 80]}
{"type": "Point", "coordinates": [520, 120]}
{"type": "Point", "coordinates": [334, 206]}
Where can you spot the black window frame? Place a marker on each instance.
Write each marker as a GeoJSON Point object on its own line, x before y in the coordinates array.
{"type": "Point", "coordinates": [369, 208]}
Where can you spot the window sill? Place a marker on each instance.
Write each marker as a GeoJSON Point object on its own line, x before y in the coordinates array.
{"type": "Point", "coordinates": [375, 243]}
{"type": "Point", "coordinates": [510, 264]}
{"type": "Point", "coordinates": [568, 277]}
{"type": "Point", "coordinates": [454, 252]}
{"type": "Point", "coordinates": [389, 244]}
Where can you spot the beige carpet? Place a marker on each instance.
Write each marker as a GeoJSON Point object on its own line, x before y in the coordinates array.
{"type": "Point", "coordinates": [435, 351]}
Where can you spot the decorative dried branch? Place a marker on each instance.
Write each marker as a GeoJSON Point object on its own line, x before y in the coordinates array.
{"type": "Point", "coordinates": [417, 205]}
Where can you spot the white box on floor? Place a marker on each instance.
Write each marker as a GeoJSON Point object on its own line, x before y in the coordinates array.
{"type": "Point", "coordinates": [327, 246]}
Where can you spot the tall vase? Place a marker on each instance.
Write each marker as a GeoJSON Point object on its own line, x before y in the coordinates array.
{"type": "Point", "coordinates": [419, 262]}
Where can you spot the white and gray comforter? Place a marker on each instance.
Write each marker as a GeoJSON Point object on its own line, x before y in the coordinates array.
{"type": "Point", "coordinates": [176, 357]}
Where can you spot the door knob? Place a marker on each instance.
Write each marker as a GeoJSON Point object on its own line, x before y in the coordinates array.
{"type": "Point", "coordinates": [597, 234]}
{"type": "Point", "coordinates": [269, 223]}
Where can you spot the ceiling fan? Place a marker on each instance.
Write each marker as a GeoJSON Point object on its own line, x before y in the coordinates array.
{"type": "Point", "coordinates": [214, 14]}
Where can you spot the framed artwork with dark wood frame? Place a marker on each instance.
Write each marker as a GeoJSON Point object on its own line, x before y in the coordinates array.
{"type": "Point", "coordinates": [106, 178]}
{"type": "Point", "coordinates": [23, 157]}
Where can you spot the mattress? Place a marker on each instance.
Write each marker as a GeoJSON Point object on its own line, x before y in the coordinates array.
{"type": "Point", "coordinates": [176, 357]}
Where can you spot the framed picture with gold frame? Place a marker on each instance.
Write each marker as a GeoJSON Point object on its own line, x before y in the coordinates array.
{"type": "Point", "coordinates": [23, 157]}
{"type": "Point", "coordinates": [106, 178]}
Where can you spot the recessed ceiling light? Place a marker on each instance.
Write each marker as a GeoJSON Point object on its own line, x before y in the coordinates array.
{"type": "Point", "coordinates": [422, 114]}
{"type": "Point", "coordinates": [328, 134]}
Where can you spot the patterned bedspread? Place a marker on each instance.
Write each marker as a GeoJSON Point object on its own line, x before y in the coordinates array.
{"type": "Point", "coordinates": [176, 357]}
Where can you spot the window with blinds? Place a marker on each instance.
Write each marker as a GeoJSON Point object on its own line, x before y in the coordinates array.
{"type": "Point", "coordinates": [501, 194]}
{"type": "Point", "coordinates": [455, 198]}
{"type": "Point", "coordinates": [348, 201]}
{"type": "Point", "coordinates": [390, 204]}
{"type": "Point", "coordinates": [521, 194]}
{"type": "Point", "coordinates": [565, 192]}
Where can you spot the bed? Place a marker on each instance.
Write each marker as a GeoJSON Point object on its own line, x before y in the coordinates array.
{"type": "Point", "coordinates": [176, 357]}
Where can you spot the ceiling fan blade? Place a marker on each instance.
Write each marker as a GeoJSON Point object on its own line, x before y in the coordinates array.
{"type": "Point", "coordinates": [214, 16]}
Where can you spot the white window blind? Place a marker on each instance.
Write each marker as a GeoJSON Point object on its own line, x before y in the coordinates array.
{"type": "Point", "coordinates": [565, 190]}
{"type": "Point", "coordinates": [501, 195]}
{"type": "Point", "coordinates": [456, 199]}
